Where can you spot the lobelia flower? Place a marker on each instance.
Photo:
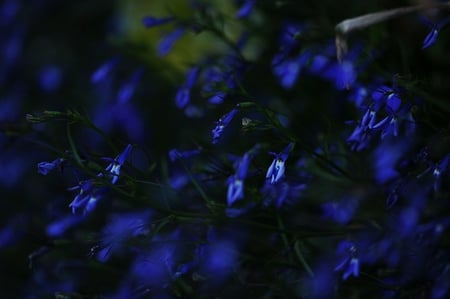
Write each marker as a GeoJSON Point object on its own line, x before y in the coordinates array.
{"type": "Point", "coordinates": [175, 154]}
{"type": "Point", "coordinates": [246, 8]}
{"type": "Point", "coordinates": [288, 42]}
{"type": "Point", "coordinates": [341, 211]}
{"type": "Point", "coordinates": [289, 69]}
{"type": "Point", "coordinates": [167, 42]}
{"type": "Point", "coordinates": [184, 93]}
{"type": "Point", "coordinates": [114, 167]}
{"type": "Point", "coordinates": [221, 124]}
{"type": "Point", "coordinates": [276, 169]}
{"type": "Point", "coordinates": [104, 70]}
{"type": "Point", "coordinates": [150, 21]}
{"type": "Point", "coordinates": [87, 198]}
{"type": "Point", "coordinates": [120, 230]}
{"type": "Point", "coordinates": [361, 136]}
{"type": "Point", "coordinates": [236, 181]}
{"type": "Point", "coordinates": [45, 167]}
{"type": "Point", "coordinates": [126, 91]}
{"type": "Point", "coordinates": [431, 37]}
{"type": "Point", "coordinates": [438, 171]}
{"type": "Point", "coordinates": [350, 264]}
{"type": "Point", "coordinates": [50, 78]}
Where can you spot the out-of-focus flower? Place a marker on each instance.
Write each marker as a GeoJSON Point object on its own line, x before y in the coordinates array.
{"type": "Point", "coordinates": [341, 211]}
{"type": "Point", "coordinates": [288, 70]}
{"type": "Point", "coordinates": [167, 42]}
{"type": "Point", "coordinates": [104, 70]}
{"type": "Point", "coordinates": [45, 167]}
{"type": "Point", "coordinates": [150, 21]}
{"type": "Point", "coordinates": [120, 229]}
{"type": "Point", "coordinates": [8, 11]}
{"type": "Point", "coordinates": [246, 8]}
{"type": "Point", "coordinates": [176, 154]}
{"type": "Point", "coordinates": [56, 229]}
{"type": "Point", "coordinates": [126, 91]}
{"type": "Point", "coordinates": [350, 263]}
{"type": "Point", "coordinates": [432, 36]}
{"type": "Point", "coordinates": [288, 42]}
{"type": "Point", "coordinates": [236, 181]}
{"type": "Point", "coordinates": [184, 92]}
{"type": "Point", "coordinates": [50, 78]}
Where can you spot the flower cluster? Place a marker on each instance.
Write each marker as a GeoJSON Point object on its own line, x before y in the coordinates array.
{"type": "Point", "coordinates": [256, 152]}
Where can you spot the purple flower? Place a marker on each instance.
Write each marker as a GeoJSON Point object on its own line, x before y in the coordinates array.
{"type": "Point", "coordinates": [152, 21]}
{"type": "Point", "coordinates": [221, 124]}
{"type": "Point", "coordinates": [276, 169]}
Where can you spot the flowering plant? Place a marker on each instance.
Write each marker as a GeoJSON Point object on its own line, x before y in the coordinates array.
{"type": "Point", "coordinates": [206, 149]}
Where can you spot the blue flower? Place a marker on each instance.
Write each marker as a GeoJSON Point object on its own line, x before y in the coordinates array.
{"type": "Point", "coordinates": [288, 42]}
{"type": "Point", "coordinates": [276, 169]}
{"type": "Point", "coordinates": [126, 91]}
{"type": "Point", "coordinates": [104, 70]}
{"type": "Point", "coordinates": [431, 37]}
{"type": "Point", "coordinates": [176, 154]}
{"type": "Point", "coordinates": [152, 21]}
{"type": "Point", "coordinates": [50, 78]}
{"type": "Point", "coordinates": [184, 93]}
{"type": "Point", "coordinates": [45, 167]}
{"type": "Point", "coordinates": [288, 70]}
{"type": "Point", "coordinates": [350, 263]}
{"type": "Point", "coordinates": [341, 211]}
{"type": "Point", "coordinates": [236, 181]}
{"type": "Point", "coordinates": [245, 10]}
{"type": "Point", "coordinates": [221, 124]}
{"type": "Point", "coordinates": [167, 42]}
{"type": "Point", "coordinates": [114, 167]}
{"type": "Point", "coordinates": [87, 198]}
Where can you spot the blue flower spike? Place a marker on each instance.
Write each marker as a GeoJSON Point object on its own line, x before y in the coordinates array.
{"type": "Point", "coordinates": [276, 170]}
{"type": "Point", "coordinates": [432, 36]}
